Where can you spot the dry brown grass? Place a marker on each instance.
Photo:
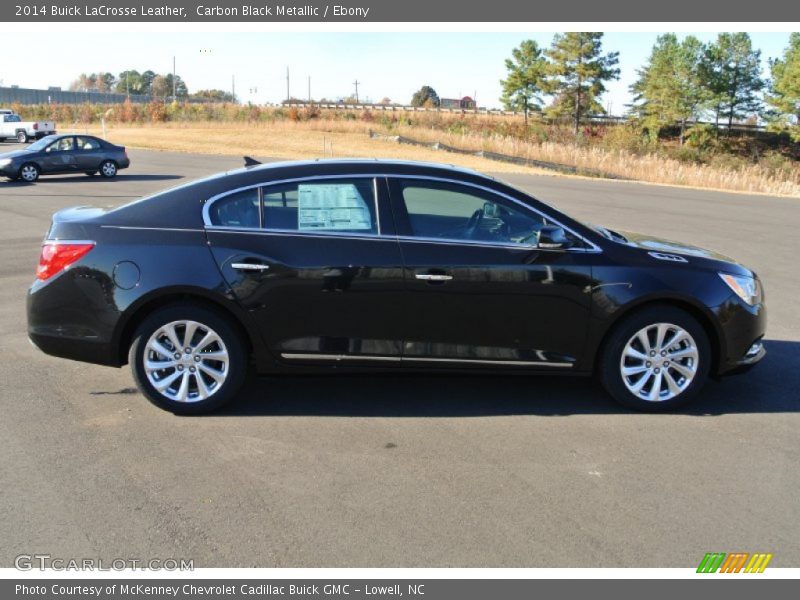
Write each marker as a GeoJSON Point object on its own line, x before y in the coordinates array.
{"type": "Point", "coordinates": [349, 138]}
{"type": "Point", "coordinates": [287, 140]}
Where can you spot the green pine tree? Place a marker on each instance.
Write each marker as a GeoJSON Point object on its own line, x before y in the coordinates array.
{"type": "Point", "coordinates": [577, 73]}
{"type": "Point", "coordinates": [732, 74]}
{"type": "Point", "coordinates": [670, 88]}
{"type": "Point", "coordinates": [784, 93]}
{"type": "Point", "coordinates": [522, 88]}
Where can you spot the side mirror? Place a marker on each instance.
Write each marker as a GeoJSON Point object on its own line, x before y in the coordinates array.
{"type": "Point", "coordinates": [553, 237]}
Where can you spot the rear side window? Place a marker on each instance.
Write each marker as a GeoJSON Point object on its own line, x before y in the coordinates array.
{"type": "Point", "coordinates": [332, 205]}
{"type": "Point", "coordinates": [87, 143]}
{"type": "Point", "coordinates": [239, 209]}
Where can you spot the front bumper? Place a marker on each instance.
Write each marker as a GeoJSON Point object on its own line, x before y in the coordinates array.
{"type": "Point", "coordinates": [10, 170]}
{"type": "Point", "coordinates": [743, 328]}
{"type": "Point", "coordinates": [751, 358]}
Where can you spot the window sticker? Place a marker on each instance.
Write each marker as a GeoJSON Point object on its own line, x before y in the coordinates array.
{"type": "Point", "coordinates": [332, 206]}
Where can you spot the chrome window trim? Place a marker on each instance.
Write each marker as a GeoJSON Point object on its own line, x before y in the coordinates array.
{"type": "Point", "coordinates": [592, 247]}
{"type": "Point", "coordinates": [385, 238]}
{"type": "Point", "coordinates": [260, 186]}
{"type": "Point", "coordinates": [399, 358]}
{"type": "Point", "coordinates": [296, 233]}
{"type": "Point", "coordinates": [137, 227]}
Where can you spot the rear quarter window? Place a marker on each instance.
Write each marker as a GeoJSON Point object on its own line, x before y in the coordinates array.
{"type": "Point", "coordinates": [240, 209]}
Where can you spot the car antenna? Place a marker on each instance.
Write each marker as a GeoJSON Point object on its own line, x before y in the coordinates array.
{"type": "Point", "coordinates": [249, 161]}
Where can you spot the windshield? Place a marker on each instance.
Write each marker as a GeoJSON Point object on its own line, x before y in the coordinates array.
{"type": "Point", "coordinates": [42, 143]}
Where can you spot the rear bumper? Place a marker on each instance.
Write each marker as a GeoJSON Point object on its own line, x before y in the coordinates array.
{"type": "Point", "coordinates": [84, 349]}
{"type": "Point", "coordinates": [73, 320]}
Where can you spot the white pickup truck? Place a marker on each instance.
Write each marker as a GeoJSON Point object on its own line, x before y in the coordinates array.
{"type": "Point", "coordinates": [12, 126]}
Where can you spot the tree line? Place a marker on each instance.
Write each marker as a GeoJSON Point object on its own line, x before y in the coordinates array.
{"type": "Point", "coordinates": [145, 83]}
{"type": "Point", "coordinates": [682, 81]}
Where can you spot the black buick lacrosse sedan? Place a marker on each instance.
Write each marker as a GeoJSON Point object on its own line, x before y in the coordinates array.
{"type": "Point", "coordinates": [363, 265]}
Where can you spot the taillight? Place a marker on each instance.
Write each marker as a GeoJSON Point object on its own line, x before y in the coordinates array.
{"type": "Point", "coordinates": [35, 126]}
{"type": "Point", "coordinates": [57, 256]}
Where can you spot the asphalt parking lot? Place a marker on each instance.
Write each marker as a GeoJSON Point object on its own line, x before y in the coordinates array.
{"type": "Point", "coordinates": [404, 470]}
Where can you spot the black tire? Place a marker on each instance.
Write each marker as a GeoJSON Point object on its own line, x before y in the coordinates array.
{"type": "Point", "coordinates": [22, 137]}
{"type": "Point", "coordinates": [610, 365]}
{"type": "Point", "coordinates": [108, 169]}
{"type": "Point", "coordinates": [91, 173]}
{"type": "Point", "coordinates": [234, 372]}
{"type": "Point", "coordinates": [26, 169]}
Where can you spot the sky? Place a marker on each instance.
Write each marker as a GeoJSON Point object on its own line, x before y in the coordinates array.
{"type": "Point", "coordinates": [391, 65]}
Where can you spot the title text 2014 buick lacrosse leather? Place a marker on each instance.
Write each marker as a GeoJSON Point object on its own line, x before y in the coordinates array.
{"type": "Point", "coordinates": [362, 265]}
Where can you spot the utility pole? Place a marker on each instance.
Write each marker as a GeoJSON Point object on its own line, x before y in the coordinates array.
{"type": "Point", "coordinates": [174, 81]}
{"type": "Point", "coordinates": [309, 89]}
{"type": "Point", "coordinates": [233, 88]}
{"type": "Point", "coordinates": [288, 96]}
{"type": "Point", "coordinates": [355, 83]}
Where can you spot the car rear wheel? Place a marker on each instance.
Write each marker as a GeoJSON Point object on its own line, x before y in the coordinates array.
{"type": "Point", "coordinates": [22, 137]}
{"type": "Point", "coordinates": [656, 360]}
{"type": "Point", "coordinates": [29, 172]}
{"type": "Point", "coordinates": [108, 169]}
{"type": "Point", "coordinates": [188, 359]}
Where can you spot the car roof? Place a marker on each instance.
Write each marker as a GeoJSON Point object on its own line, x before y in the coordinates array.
{"type": "Point", "coordinates": [391, 163]}
{"type": "Point", "coordinates": [170, 205]}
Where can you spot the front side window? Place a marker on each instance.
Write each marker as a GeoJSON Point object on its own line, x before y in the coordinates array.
{"type": "Point", "coordinates": [446, 211]}
{"type": "Point", "coordinates": [62, 145]}
{"type": "Point", "coordinates": [327, 205]}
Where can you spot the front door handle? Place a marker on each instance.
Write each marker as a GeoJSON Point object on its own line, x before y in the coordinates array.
{"type": "Point", "coordinates": [433, 277]}
{"type": "Point", "coordinates": [249, 267]}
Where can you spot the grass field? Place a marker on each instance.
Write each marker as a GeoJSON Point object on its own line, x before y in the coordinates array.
{"type": "Point", "coordinates": [350, 138]}
{"type": "Point", "coordinates": [284, 140]}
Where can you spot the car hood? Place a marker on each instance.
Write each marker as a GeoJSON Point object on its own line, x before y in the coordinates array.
{"type": "Point", "coordinates": [693, 254]}
{"type": "Point", "coordinates": [14, 153]}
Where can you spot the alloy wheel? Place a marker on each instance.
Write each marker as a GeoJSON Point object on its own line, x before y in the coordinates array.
{"type": "Point", "coordinates": [186, 361]}
{"type": "Point", "coordinates": [659, 362]}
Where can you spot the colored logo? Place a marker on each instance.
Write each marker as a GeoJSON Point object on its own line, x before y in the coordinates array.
{"type": "Point", "coordinates": [736, 562]}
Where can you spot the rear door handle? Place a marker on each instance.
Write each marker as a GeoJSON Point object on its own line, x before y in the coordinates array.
{"type": "Point", "coordinates": [249, 267]}
{"type": "Point", "coordinates": [433, 277]}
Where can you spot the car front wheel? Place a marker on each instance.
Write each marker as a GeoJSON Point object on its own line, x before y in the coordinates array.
{"type": "Point", "coordinates": [29, 172]}
{"type": "Point", "coordinates": [188, 359]}
{"type": "Point", "coordinates": [656, 360]}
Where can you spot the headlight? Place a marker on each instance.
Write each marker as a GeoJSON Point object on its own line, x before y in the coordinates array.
{"type": "Point", "coordinates": [747, 288]}
{"type": "Point", "coordinates": [5, 161]}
